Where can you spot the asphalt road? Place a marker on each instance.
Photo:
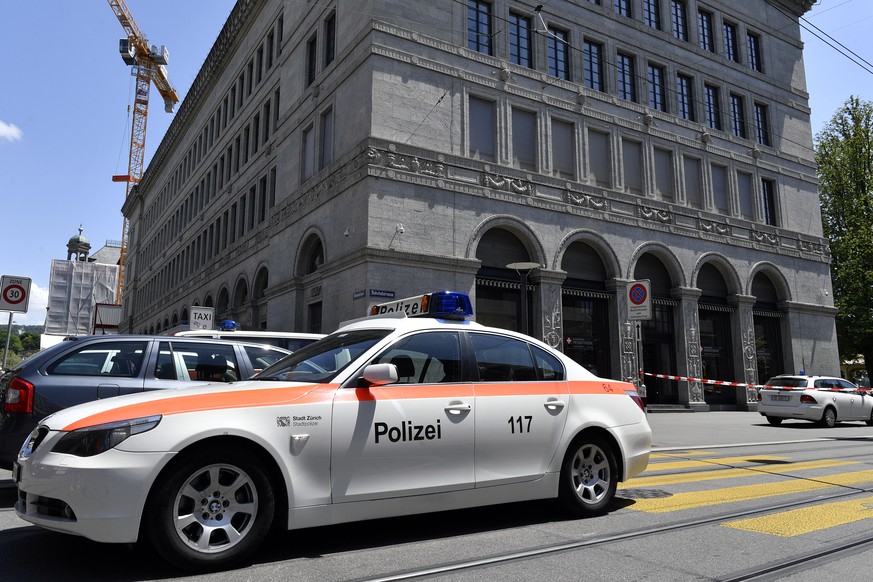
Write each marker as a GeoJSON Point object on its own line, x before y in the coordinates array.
{"type": "Point", "coordinates": [714, 505]}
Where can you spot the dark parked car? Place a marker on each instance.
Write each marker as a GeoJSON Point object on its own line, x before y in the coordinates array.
{"type": "Point", "coordinates": [86, 368]}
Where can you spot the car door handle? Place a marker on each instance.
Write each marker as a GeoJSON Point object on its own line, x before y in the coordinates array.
{"type": "Point", "coordinates": [458, 408]}
{"type": "Point", "coordinates": [554, 404]}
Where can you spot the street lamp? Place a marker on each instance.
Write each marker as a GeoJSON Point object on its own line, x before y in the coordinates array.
{"type": "Point", "coordinates": [523, 269]}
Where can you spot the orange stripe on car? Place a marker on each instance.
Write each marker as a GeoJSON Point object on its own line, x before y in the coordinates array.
{"type": "Point", "coordinates": [211, 401]}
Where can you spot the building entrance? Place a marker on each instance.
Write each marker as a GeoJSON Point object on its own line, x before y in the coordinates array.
{"type": "Point", "coordinates": [716, 354]}
{"type": "Point", "coordinates": [659, 354]}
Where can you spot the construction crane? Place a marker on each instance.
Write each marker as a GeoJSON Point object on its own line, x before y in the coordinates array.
{"type": "Point", "coordinates": [148, 66]}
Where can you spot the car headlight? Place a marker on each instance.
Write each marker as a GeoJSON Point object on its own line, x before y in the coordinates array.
{"type": "Point", "coordinates": [93, 440]}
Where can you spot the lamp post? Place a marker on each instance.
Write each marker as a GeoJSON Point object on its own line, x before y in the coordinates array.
{"type": "Point", "coordinates": [523, 269]}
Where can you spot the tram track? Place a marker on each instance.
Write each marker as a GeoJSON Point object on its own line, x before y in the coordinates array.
{"type": "Point", "coordinates": [769, 571]}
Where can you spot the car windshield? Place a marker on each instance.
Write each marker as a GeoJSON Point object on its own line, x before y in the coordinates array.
{"type": "Point", "coordinates": [321, 361]}
{"type": "Point", "coordinates": [789, 382]}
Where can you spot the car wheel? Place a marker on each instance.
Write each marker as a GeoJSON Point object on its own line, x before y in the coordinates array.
{"type": "Point", "coordinates": [588, 477]}
{"type": "Point", "coordinates": [211, 511]}
{"type": "Point", "coordinates": [828, 418]}
{"type": "Point", "coordinates": [774, 420]}
{"type": "Point", "coordinates": [870, 420]}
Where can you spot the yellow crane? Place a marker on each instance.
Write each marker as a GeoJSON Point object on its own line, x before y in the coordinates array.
{"type": "Point", "coordinates": [148, 66]}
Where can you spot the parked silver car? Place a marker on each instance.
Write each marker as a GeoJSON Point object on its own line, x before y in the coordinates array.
{"type": "Point", "coordinates": [87, 368]}
{"type": "Point", "coordinates": [822, 399]}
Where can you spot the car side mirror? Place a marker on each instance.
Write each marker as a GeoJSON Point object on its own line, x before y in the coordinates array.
{"type": "Point", "coordinates": [380, 374]}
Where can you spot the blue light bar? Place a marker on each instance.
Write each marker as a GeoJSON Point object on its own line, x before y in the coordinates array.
{"type": "Point", "coordinates": [228, 325]}
{"type": "Point", "coordinates": [442, 304]}
{"type": "Point", "coordinates": [450, 305]}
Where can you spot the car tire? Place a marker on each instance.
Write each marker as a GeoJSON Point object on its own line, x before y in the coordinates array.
{"type": "Point", "coordinates": [589, 476]}
{"type": "Point", "coordinates": [870, 420]}
{"type": "Point", "coordinates": [774, 420]}
{"type": "Point", "coordinates": [227, 504]}
{"type": "Point", "coordinates": [828, 418]}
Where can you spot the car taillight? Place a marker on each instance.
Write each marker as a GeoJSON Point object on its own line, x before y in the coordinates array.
{"type": "Point", "coordinates": [636, 398]}
{"type": "Point", "coordinates": [759, 396]}
{"type": "Point", "coordinates": [19, 396]}
{"type": "Point", "coordinates": [807, 399]}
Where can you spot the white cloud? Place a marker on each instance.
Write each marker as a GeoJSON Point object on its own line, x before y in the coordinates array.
{"type": "Point", "coordinates": [35, 309]}
{"type": "Point", "coordinates": [10, 132]}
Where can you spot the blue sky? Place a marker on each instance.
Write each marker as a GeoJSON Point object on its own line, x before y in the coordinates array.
{"type": "Point", "coordinates": [64, 124]}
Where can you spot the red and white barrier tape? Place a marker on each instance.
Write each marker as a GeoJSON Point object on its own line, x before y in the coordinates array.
{"type": "Point", "coordinates": [702, 380]}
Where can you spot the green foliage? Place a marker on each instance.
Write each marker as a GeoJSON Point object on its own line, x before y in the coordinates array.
{"type": "Point", "coordinates": [14, 342]}
{"type": "Point", "coordinates": [844, 153]}
{"type": "Point", "coordinates": [29, 341]}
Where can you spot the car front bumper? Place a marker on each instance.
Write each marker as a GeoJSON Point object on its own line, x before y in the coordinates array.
{"type": "Point", "coordinates": [100, 497]}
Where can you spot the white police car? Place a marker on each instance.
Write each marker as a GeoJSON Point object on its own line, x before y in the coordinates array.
{"type": "Point", "coordinates": [384, 417]}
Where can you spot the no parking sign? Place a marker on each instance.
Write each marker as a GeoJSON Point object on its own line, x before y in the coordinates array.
{"type": "Point", "coordinates": [14, 293]}
{"type": "Point", "coordinates": [639, 300]}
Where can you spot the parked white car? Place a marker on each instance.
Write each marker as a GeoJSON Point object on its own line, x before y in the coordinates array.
{"type": "Point", "coordinates": [822, 399]}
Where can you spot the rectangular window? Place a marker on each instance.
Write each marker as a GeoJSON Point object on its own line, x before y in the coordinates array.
{"type": "Point", "coordinates": [744, 189]}
{"type": "Point", "coordinates": [270, 43]}
{"type": "Point", "coordinates": [559, 54]}
{"type": "Point", "coordinates": [720, 188]}
{"type": "Point", "coordinates": [256, 133]}
{"type": "Point", "coordinates": [599, 155]}
{"type": "Point", "coordinates": [693, 183]}
{"type": "Point", "coordinates": [308, 166]}
{"type": "Point", "coordinates": [479, 26]}
{"type": "Point", "coordinates": [768, 202]}
{"type": "Point", "coordinates": [329, 39]}
{"type": "Point", "coordinates": [738, 115]}
{"type": "Point", "coordinates": [762, 125]}
{"type": "Point", "coordinates": [524, 139]}
{"type": "Point", "coordinates": [652, 13]}
{"type": "Point", "coordinates": [632, 162]}
{"type": "Point", "coordinates": [259, 69]}
{"type": "Point", "coordinates": [311, 62]}
{"type": "Point", "coordinates": [713, 108]}
{"type": "Point", "coordinates": [657, 90]}
{"type": "Point", "coordinates": [685, 97]}
{"type": "Point", "coordinates": [262, 199]}
{"type": "Point", "coordinates": [731, 50]}
{"type": "Point", "coordinates": [325, 154]}
{"type": "Point", "coordinates": [250, 77]}
{"type": "Point", "coordinates": [622, 7]}
{"type": "Point", "coordinates": [678, 17]}
{"type": "Point", "coordinates": [563, 150]}
{"type": "Point", "coordinates": [252, 207]}
{"type": "Point", "coordinates": [520, 46]}
{"type": "Point", "coordinates": [625, 77]}
{"type": "Point", "coordinates": [482, 127]}
{"type": "Point", "coordinates": [272, 187]}
{"type": "Point", "coordinates": [754, 45]}
{"type": "Point", "coordinates": [664, 182]}
{"type": "Point", "coordinates": [280, 25]}
{"type": "Point", "coordinates": [704, 31]}
{"type": "Point", "coordinates": [593, 54]}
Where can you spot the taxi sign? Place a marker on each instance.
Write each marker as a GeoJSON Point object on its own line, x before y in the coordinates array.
{"type": "Point", "coordinates": [443, 304]}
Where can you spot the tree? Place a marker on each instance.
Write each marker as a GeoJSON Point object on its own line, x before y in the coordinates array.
{"type": "Point", "coordinates": [30, 341]}
{"type": "Point", "coordinates": [844, 153]}
{"type": "Point", "coordinates": [14, 343]}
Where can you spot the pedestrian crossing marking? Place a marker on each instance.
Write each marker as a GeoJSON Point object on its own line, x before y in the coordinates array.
{"type": "Point", "coordinates": [685, 464]}
{"type": "Point", "coordinates": [694, 499]}
{"type": "Point", "coordinates": [808, 519]}
{"type": "Point", "coordinates": [659, 480]}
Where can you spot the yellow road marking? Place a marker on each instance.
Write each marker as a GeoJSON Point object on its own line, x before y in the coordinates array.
{"type": "Point", "coordinates": [675, 454]}
{"type": "Point", "coordinates": [656, 480]}
{"type": "Point", "coordinates": [808, 519]}
{"type": "Point", "coordinates": [694, 499]}
{"type": "Point", "coordinates": [665, 466]}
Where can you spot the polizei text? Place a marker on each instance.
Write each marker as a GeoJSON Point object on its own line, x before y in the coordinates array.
{"type": "Point", "coordinates": [407, 431]}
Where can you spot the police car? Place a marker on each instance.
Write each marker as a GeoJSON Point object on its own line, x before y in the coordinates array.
{"type": "Point", "coordinates": [416, 410]}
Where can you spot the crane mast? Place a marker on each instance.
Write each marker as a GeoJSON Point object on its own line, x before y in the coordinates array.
{"type": "Point", "coordinates": [148, 66]}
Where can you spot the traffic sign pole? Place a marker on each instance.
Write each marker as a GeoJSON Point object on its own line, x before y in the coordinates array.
{"type": "Point", "coordinates": [8, 336]}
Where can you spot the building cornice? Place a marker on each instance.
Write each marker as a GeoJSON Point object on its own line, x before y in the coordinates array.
{"type": "Point", "coordinates": [798, 7]}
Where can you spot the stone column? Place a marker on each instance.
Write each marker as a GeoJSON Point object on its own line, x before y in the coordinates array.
{"type": "Point", "coordinates": [548, 321]}
{"type": "Point", "coordinates": [625, 330]}
{"type": "Point", "coordinates": [687, 335]}
{"type": "Point", "coordinates": [744, 350]}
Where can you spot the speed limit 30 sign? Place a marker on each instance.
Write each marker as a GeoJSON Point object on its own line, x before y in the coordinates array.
{"type": "Point", "coordinates": [14, 293]}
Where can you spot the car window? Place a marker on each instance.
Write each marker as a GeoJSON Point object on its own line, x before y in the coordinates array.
{"type": "Point", "coordinates": [261, 357]}
{"type": "Point", "coordinates": [846, 385]}
{"type": "Point", "coordinates": [116, 359]}
{"type": "Point", "coordinates": [425, 358]}
{"type": "Point", "coordinates": [549, 367]}
{"type": "Point", "coordinates": [788, 382]}
{"type": "Point", "coordinates": [323, 360]}
{"type": "Point", "coordinates": [502, 359]}
{"type": "Point", "coordinates": [201, 362]}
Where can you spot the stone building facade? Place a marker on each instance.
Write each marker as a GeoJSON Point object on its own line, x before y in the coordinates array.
{"type": "Point", "coordinates": [331, 155]}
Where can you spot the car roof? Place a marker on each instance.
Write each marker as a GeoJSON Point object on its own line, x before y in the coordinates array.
{"type": "Point", "coordinates": [175, 339]}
